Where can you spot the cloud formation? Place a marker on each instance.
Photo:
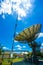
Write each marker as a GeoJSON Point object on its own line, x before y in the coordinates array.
{"type": "Point", "coordinates": [40, 35]}
{"type": "Point", "coordinates": [5, 48]}
{"type": "Point", "coordinates": [24, 52]}
{"type": "Point", "coordinates": [24, 46]}
{"type": "Point", "coordinates": [21, 7]}
{"type": "Point", "coordinates": [18, 47]}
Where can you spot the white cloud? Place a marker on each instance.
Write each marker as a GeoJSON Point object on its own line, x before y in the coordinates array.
{"type": "Point", "coordinates": [3, 16]}
{"type": "Point", "coordinates": [5, 48]}
{"type": "Point", "coordinates": [18, 46]}
{"type": "Point", "coordinates": [24, 52]}
{"type": "Point", "coordinates": [17, 33]}
{"type": "Point", "coordinates": [15, 41]}
{"type": "Point", "coordinates": [24, 46]}
{"type": "Point", "coordinates": [42, 44]}
{"type": "Point", "coordinates": [21, 7]}
{"type": "Point", "coordinates": [41, 48]}
{"type": "Point", "coordinates": [40, 35]}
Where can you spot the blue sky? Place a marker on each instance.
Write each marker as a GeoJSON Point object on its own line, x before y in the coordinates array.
{"type": "Point", "coordinates": [8, 19]}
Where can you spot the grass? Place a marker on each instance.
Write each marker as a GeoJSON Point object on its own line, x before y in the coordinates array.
{"type": "Point", "coordinates": [8, 61]}
{"type": "Point", "coordinates": [17, 59]}
{"type": "Point", "coordinates": [5, 63]}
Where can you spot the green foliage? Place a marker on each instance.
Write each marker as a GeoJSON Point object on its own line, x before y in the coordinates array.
{"type": "Point", "coordinates": [41, 55]}
{"type": "Point", "coordinates": [0, 49]}
{"type": "Point", "coordinates": [5, 61]}
{"type": "Point", "coordinates": [15, 55]}
{"type": "Point", "coordinates": [29, 54]}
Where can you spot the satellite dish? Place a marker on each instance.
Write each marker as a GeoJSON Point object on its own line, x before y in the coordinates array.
{"type": "Point", "coordinates": [29, 34]}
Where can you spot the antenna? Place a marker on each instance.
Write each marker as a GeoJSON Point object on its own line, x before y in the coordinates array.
{"type": "Point", "coordinates": [29, 35]}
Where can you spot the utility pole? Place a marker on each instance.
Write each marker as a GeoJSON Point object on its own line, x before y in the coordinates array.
{"type": "Point", "coordinates": [15, 27]}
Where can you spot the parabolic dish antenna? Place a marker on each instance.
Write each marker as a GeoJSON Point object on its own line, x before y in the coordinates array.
{"type": "Point", "coordinates": [29, 34]}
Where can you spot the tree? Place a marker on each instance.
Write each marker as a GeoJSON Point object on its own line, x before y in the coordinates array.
{"type": "Point", "coordinates": [1, 51]}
